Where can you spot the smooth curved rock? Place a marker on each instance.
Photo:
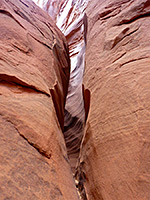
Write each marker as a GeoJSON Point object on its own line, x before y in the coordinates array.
{"type": "Point", "coordinates": [114, 160]}
{"type": "Point", "coordinates": [34, 76]}
{"type": "Point", "coordinates": [115, 155]}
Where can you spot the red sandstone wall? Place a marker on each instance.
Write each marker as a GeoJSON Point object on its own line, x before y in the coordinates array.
{"type": "Point", "coordinates": [34, 64]}
{"type": "Point", "coordinates": [116, 149]}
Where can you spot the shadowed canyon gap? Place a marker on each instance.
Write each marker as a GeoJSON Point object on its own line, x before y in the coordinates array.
{"type": "Point", "coordinates": [115, 151]}
{"type": "Point", "coordinates": [70, 17]}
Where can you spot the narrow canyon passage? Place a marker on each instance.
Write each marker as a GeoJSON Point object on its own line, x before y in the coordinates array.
{"type": "Point", "coordinates": [70, 17]}
{"type": "Point", "coordinates": [43, 100]}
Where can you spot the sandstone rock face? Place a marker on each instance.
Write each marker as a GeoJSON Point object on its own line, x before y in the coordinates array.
{"type": "Point", "coordinates": [34, 75]}
{"type": "Point", "coordinates": [115, 153]}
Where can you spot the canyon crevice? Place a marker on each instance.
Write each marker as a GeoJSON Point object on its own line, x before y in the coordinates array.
{"type": "Point", "coordinates": [74, 99]}
{"type": "Point", "coordinates": [71, 18]}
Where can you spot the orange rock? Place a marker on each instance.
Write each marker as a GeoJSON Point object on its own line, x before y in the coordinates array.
{"type": "Point", "coordinates": [34, 73]}
{"type": "Point", "coordinates": [116, 151]}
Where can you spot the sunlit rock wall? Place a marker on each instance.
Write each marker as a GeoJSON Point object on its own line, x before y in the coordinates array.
{"type": "Point", "coordinates": [34, 76]}
{"type": "Point", "coordinates": [116, 148]}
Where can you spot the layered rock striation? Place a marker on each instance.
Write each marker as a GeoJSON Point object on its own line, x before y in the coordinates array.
{"type": "Point", "coordinates": [34, 76]}
{"type": "Point", "coordinates": [115, 155]}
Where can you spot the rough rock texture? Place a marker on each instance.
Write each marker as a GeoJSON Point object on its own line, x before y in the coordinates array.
{"type": "Point", "coordinates": [70, 17]}
{"type": "Point", "coordinates": [34, 69]}
{"type": "Point", "coordinates": [116, 149]}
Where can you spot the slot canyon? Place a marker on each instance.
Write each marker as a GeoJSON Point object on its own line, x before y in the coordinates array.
{"type": "Point", "coordinates": [74, 100]}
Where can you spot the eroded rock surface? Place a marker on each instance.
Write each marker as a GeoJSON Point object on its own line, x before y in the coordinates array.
{"type": "Point", "coordinates": [34, 72]}
{"type": "Point", "coordinates": [115, 156]}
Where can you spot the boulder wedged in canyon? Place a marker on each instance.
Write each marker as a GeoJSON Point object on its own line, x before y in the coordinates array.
{"type": "Point", "coordinates": [115, 155]}
{"type": "Point", "coordinates": [34, 76]}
